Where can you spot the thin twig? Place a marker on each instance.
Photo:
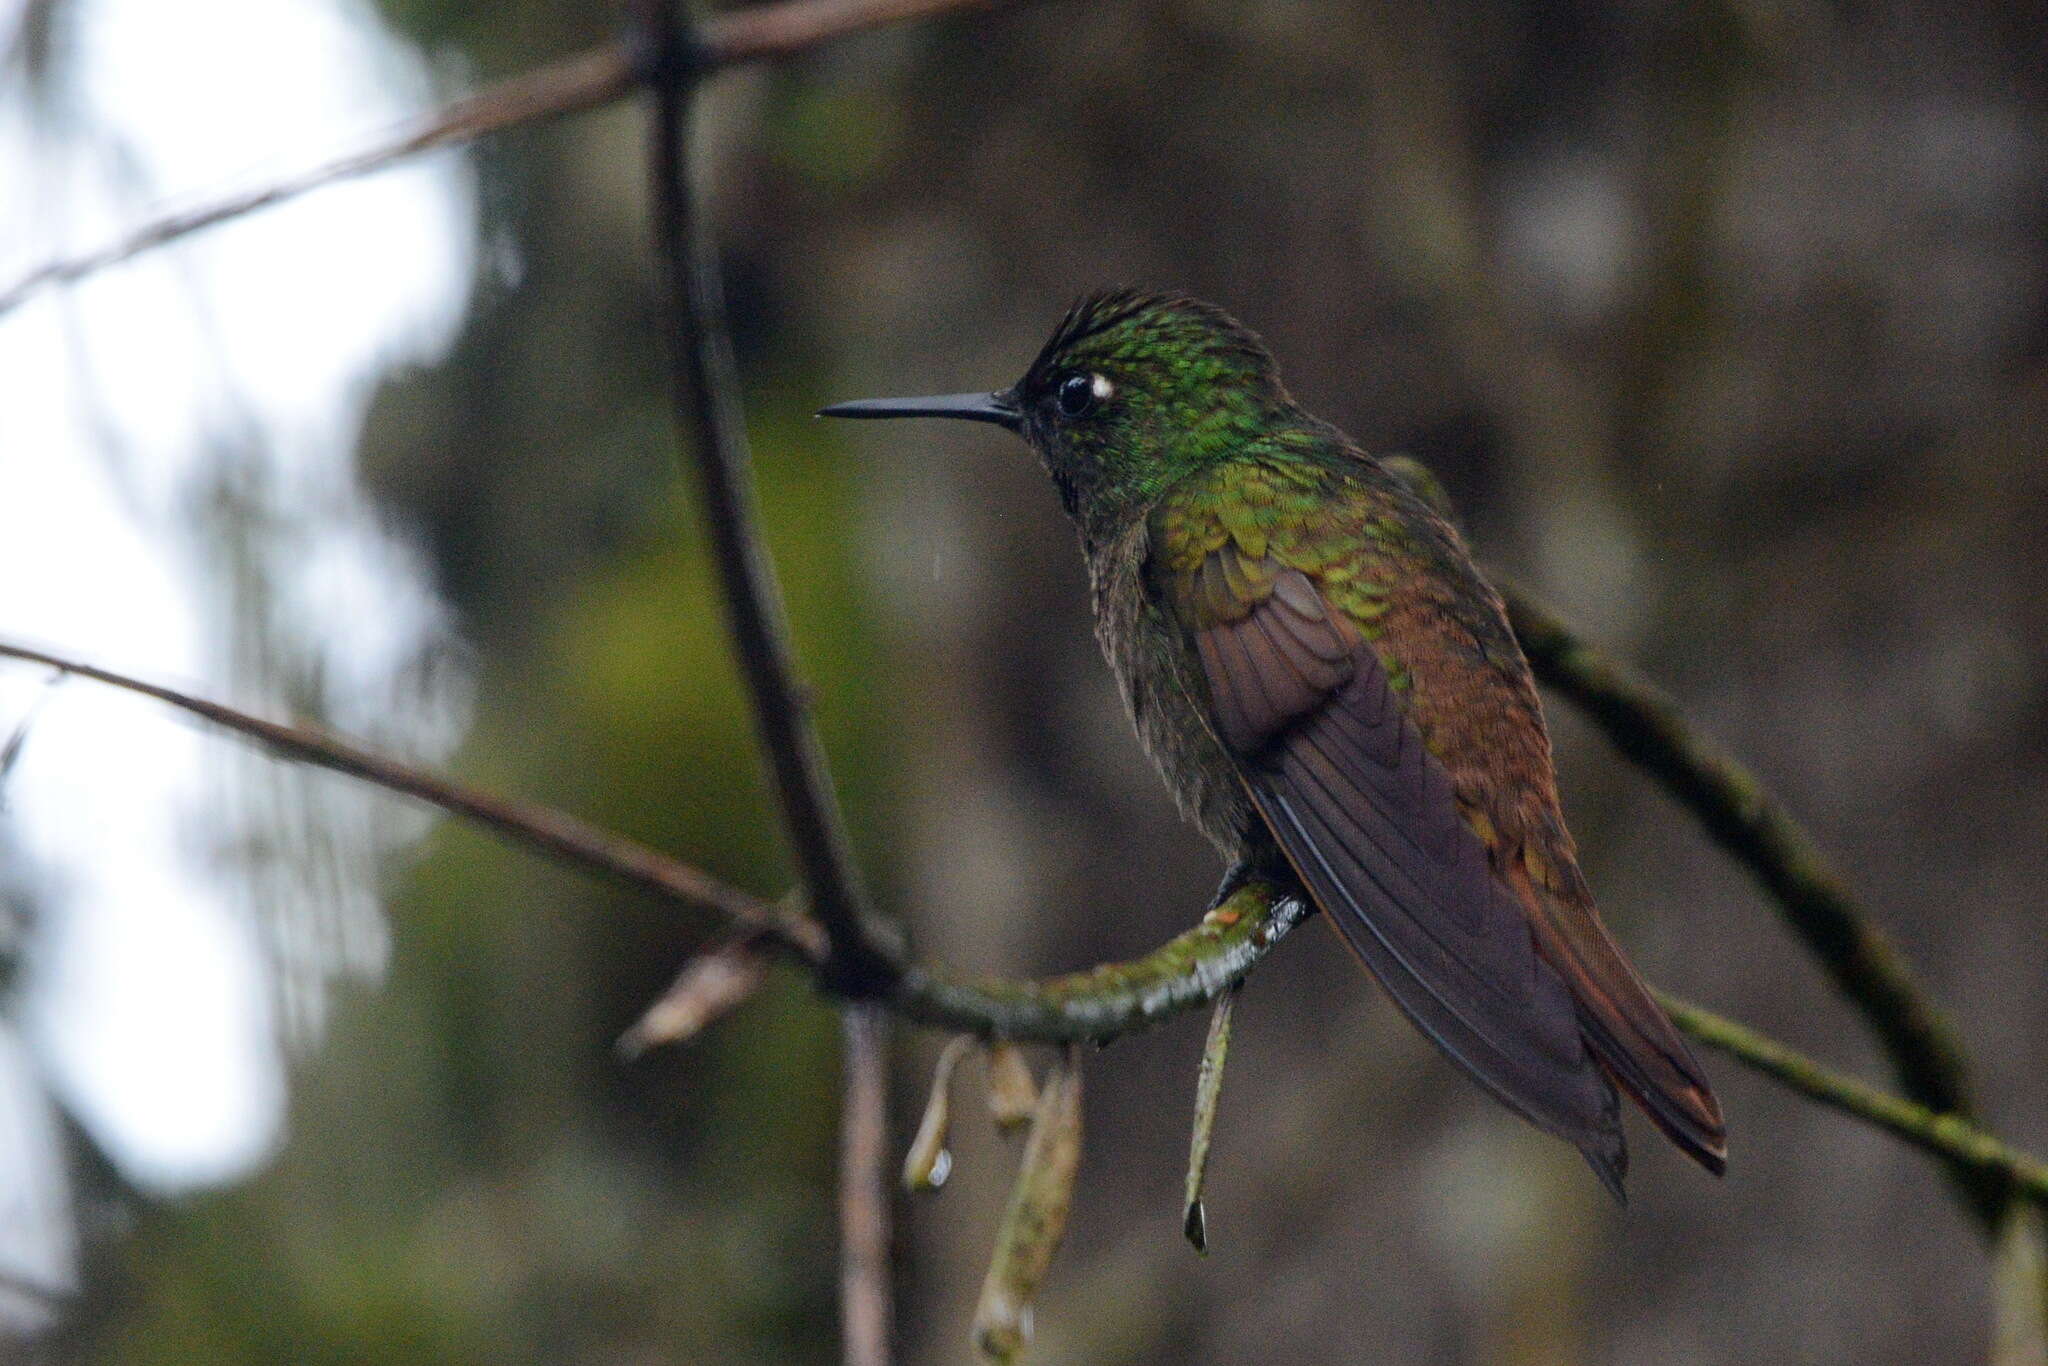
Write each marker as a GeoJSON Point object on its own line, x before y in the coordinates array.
{"type": "Point", "coordinates": [1101, 1003]}
{"type": "Point", "coordinates": [538, 827]}
{"type": "Point", "coordinates": [586, 81]}
{"type": "Point", "coordinates": [582, 82]}
{"type": "Point", "coordinates": [866, 1303]}
{"type": "Point", "coordinates": [1946, 1136]}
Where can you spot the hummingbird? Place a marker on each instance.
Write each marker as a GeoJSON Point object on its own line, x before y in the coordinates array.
{"type": "Point", "coordinates": [1334, 696]}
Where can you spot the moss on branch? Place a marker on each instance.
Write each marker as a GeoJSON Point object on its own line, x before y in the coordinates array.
{"type": "Point", "coordinates": [1113, 999]}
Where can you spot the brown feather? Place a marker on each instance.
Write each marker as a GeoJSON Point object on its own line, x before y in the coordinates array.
{"type": "Point", "coordinates": [1626, 1028]}
{"type": "Point", "coordinates": [1368, 818]}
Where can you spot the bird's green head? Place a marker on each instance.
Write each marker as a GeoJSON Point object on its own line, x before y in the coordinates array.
{"type": "Point", "coordinates": [1132, 392]}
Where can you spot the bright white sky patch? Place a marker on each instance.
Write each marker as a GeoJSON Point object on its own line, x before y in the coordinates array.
{"type": "Point", "coordinates": [149, 990]}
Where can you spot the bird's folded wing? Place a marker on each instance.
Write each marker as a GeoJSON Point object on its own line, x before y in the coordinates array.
{"type": "Point", "coordinates": [1367, 817]}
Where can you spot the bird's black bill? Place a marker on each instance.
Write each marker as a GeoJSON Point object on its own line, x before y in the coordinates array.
{"type": "Point", "coordinates": [999, 408]}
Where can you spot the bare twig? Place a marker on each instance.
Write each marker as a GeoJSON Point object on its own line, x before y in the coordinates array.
{"type": "Point", "coordinates": [539, 827]}
{"type": "Point", "coordinates": [858, 961]}
{"type": "Point", "coordinates": [866, 1303]}
{"type": "Point", "coordinates": [1101, 1003]}
{"type": "Point", "coordinates": [586, 81]}
{"type": "Point", "coordinates": [582, 82]}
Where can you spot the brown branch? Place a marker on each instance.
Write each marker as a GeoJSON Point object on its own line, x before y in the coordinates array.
{"type": "Point", "coordinates": [866, 1305]}
{"type": "Point", "coordinates": [538, 827]}
{"type": "Point", "coordinates": [1100, 1003]}
{"type": "Point", "coordinates": [705, 393]}
{"type": "Point", "coordinates": [859, 962]}
{"type": "Point", "coordinates": [586, 81]}
{"type": "Point", "coordinates": [582, 82]}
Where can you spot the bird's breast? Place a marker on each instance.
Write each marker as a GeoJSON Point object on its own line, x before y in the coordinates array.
{"type": "Point", "coordinates": [1157, 672]}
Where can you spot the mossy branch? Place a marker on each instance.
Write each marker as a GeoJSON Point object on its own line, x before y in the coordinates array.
{"type": "Point", "coordinates": [1944, 1135]}
{"type": "Point", "coordinates": [1758, 833]}
{"type": "Point", "coordinates": [1113, 999]}
{"type": "Point", "coordinates": [1736, 811]}
{"type": "Point", "coordinates": [1100, 1003]}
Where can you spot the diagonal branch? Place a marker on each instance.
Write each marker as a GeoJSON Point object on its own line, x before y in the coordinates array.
{"type": "Point", "coordinates": [586, 81]}
{"type": "Point", "coordinates": [1101, 1003]}
{"type": "Point", "coordinates": [1947, 1136]}
{"type": "Point", "coordinates": [1763, 837]}
{"type": "Point", "coordinates": [1742, 817]}
{"type": "Point", "coordinates": [582, 82]}
{"type": "Point", "coordinates": [538, 827]}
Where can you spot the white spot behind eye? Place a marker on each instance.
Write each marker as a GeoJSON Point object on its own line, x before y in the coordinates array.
{"type": "Point", "coordinates": [1100, 386]}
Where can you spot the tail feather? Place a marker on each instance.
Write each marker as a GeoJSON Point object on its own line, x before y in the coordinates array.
{"type": "Point", "coordinates": [1626, 1030]}
{"type": "Point", "coordinates": [1690, 1117]}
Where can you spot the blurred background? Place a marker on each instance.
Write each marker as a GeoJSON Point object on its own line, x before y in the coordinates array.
{"type": "Point", "coordinates": [1726, 324]}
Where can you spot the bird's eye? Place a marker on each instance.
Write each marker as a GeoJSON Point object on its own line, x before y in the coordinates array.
{"type": "Point", "coordinates": [1078, 394]}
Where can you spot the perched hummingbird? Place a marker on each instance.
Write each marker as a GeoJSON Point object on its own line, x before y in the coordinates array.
{"type": "Point", "coordinates": [1334, 695]}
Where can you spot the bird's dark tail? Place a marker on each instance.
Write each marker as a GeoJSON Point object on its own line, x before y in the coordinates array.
{"type": "Point", "coordinates": [1624, 1027]}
